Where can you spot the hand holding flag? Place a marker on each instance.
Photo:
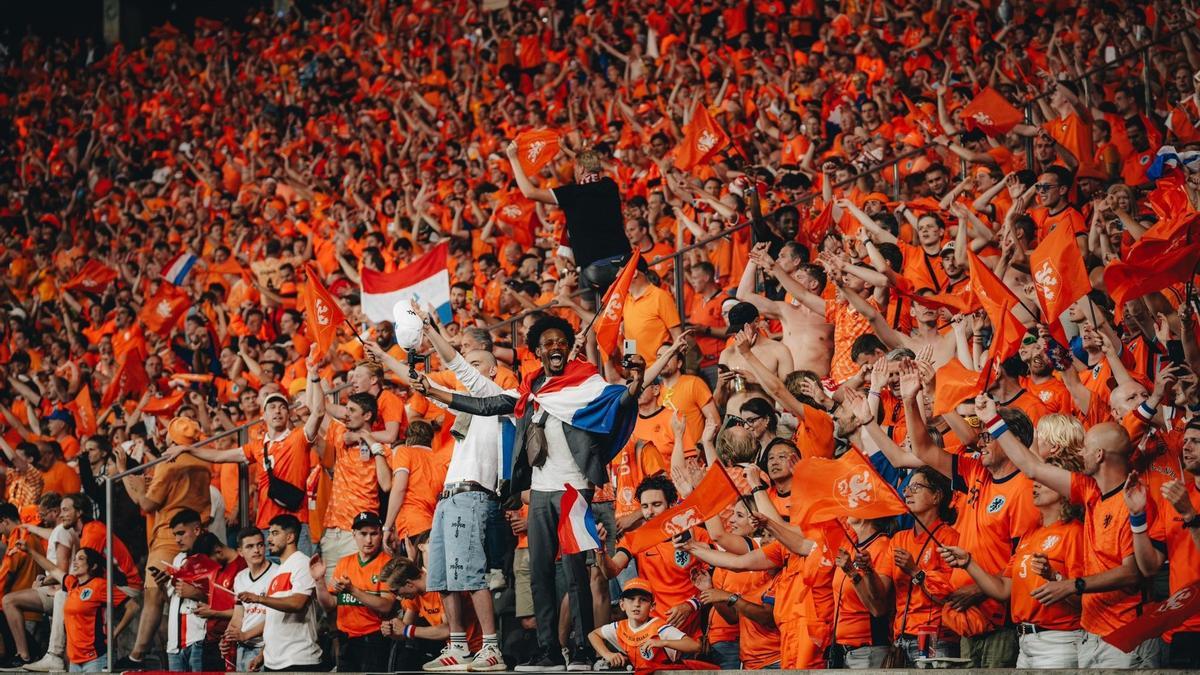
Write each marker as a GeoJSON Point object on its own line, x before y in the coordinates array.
{"type": "Point", "coordinates": [577, 530]}
{"type": "Point", "coordinates": [323, 315]}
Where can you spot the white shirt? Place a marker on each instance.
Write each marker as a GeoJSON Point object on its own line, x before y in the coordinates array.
{"type": "Point", "coordinates": [217, 526]}
{"type": "Point", "coordinates": [560, 466]}
{"type": "Point", "coordinates": [183, 627]}
{"type": "Point", "coordinates": [61, 535]}
{"type": "Point", "coordinates": [253, 614]}
{"type": "Point", "coordinates": [291, 639]}
{"type": "Point", "coordinates": [477, 456]}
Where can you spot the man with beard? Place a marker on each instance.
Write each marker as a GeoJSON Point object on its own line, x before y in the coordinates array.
{"type": "Point", "coordinates": [557, 446]}
{"type": "Point", "coordinates": [1041, 381]}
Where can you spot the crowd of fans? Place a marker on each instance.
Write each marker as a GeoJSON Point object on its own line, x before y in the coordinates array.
{"type": "Point", "coordinates": [1052, 498]}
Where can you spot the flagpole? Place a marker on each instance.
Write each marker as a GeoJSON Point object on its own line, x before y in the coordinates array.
{"type": "Point", "coordinates": [850, 536]}
{"type": "Point", "coordinates": [923, 527]}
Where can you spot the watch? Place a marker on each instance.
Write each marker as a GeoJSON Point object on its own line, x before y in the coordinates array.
{"type": "Point", "coordinates": [1192, 522]}
{"type": "Point", "coordinates": [733, 599]}
{"type": "Point", "coordinates": [1080, 586]}
{"type": "Point", "coordinates": [377, 450]}
{"type": "Point", "coordinates": [919, 577]}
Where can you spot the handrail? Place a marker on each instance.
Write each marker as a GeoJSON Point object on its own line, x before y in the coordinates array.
{"type": "Point", "coordinates": [243, 491]}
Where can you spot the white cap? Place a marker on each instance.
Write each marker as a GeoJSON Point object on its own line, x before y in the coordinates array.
{"type": "Point", "coordinates": [408, 325]}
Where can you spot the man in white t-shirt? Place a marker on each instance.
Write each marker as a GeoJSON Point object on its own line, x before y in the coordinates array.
{"type": "Point", "coordinates": [246, 626]}
{"type": "Point", "coordinates": [290, 628]}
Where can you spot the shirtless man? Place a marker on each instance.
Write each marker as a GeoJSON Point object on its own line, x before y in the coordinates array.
{"type": "Point", "coordinates": [773, 355]}
{"type": "Point", "coordinates": [808, 338]}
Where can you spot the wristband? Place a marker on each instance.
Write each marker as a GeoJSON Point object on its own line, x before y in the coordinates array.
{"type": "Point", "coordinates": [1137, 523]}
{"type": "Point", "coordinates": [696, 604]}
{"type": "Point", "coordinates": [757, 489]}
{"type": "Point", "coordinates": [872, 392]}
{"type": "Point", "coordinates": [996, 427]}
{"type": "Point", "coordinates": [410, 631]}
{"type": "Point", "coordinates": [1145, 412]}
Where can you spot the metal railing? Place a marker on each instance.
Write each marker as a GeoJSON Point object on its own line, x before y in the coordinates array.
{"type": "Point", "coordinates": [243, 435]}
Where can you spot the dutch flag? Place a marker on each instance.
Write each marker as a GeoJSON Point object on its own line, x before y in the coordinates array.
{"type": "Point", "coordinates": [576, 524]}
{"type": "Point", "coordinates": [177, 269]}
{"type": "Point", "coordinates": [425, 280]}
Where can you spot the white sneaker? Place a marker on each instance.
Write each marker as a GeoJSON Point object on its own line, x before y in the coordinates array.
{"type": "Point", "coordinates": [488, 659]}
{"type": "Point", "coordinates": [496, 580]}
{"type": "Point", "coordinates": [50, 663]}
{"type": "Point", "coordinates": [450, 659]}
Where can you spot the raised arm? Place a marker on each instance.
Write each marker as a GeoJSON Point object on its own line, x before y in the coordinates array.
{"type": "Point", "coordinates": [1053, 477]}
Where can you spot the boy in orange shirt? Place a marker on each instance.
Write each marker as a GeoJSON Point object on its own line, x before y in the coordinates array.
{"type": "Point", "coordinates": [643, 641]}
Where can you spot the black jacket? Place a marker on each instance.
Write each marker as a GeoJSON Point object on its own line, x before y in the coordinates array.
{"type": "Point", "coordinates": [590, 450]}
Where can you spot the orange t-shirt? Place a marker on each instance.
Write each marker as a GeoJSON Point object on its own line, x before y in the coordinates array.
{"type": "Point", "coordinates": [993, 513]}
{"type": "Point", "coordinates": [1062, 544]}
{"type": "Point", "coordinates": [60, 478]}
{"type": "Point", "coordinates": [1046, 222]}
{"type": "Point", "coordinates": [426, 477]}
{"type": "Point", "coordinates": [83, 618]}
{"type": "Point", "coordinates": [814, 433]}
{"type": "Point", "coordinates": [353, 618]}
{"type": "Point", "coordinates": [1107, 542]}
{"type": "Point", "coordinates": [637, 461]}
{"type": "Point", "coordinates": [391, 409]}
{"type": "Point", "coordinates": [429, 606]}
{"type": "Point", "coordinates": [669, 572]}
{"type": "Point", "coordinates": [848, 325]}
{"type": "Point", "coordinates": [355, 487]}
{"type": "Point", "coordinates": [291, 458]}
{"type": "Point", "coordinates": [916, 612]}
{"type": "Point", "coordinates": [853, 628]}
{"type": "Point", "coordinates": [688, 396]}
{"type": "Point", "coordinates": [1052, 393]}
{"type": "Point", "coordinates": [1181, 549]}
{"type": "Point", "coordinates": [648, 320]}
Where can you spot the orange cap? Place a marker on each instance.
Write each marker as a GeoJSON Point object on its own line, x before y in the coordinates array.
{"type": "Point", "coordinates": [636, 585]}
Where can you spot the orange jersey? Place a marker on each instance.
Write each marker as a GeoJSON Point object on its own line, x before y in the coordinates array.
{"type": "Point", "coordinates": [636, 462]}
{"type": "Point", "coordinates": [853, 628]}
{"type": "Point", "coordinates": [83, 617]}
{"type": "Point", "coordinates": [426, 477]}
{"type": "Point", "coordinates": [848, 325]}
{"type": "Point", "coordinates": [1062, 544]}
{"type": "Point", "coordinates": [994, 514]}
{"type": "Point", "coordinates": [1108, 542]}
{"type": "Point", "coordinates": [1181, 548]}
{"type": "Point", "coordinates": [631, 641]}
{"type": "Point", "coordinates": [355, 483]}
{"type": "Point", "coordinates": [688, 396]}
{"type": "Point", "coordinates": [669, 572]}
{"type": "Point", "coordinates": [429, 606]}
{"type": "Point", "coordinates": [916, 612]}
{"type": "Point", "coordinates": [354, 618]}
{"type": "Point", "coordinates": [290, 458]}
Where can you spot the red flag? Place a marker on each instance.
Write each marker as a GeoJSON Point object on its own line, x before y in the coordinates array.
{"type": "Point", "coordinates": [961, 301]}
{"type": "Point", "coordinates": [130, 378]}
{"type": "Point", "coordinates": [711, 496]}
{"type": "Point", "coordinates": [998, 301]}
{"type": "Point", "coordinates": [162, 312]}
{"type": "Point", "coordinates": [322, 313]}
{"type": "Point", "coordinates": [955, 382]}
{"type": "Point", "coordinates": [991, 113]}
{"type": "Point", "coordinates": [85, 413]}
{"type": "Point", "coordinates": [536, 149]}
{"type": "Point", "coordinates": [702, 138]}
{"type": "Point", "coordinates": [93, 277]}
{"type": "Point", "coordinates": [1059, 276]}
{"type": "Point", "coordinates": [608, 324]}
{"type": "Point", "coordinates": [1129, 279]}
{"type": "Point", "coordinates": [827, 489]}
{"type": "Point", "coordinates": [1169, 199]}
{"type": "Point", "coordinates": [920, 117]}
{"type": "Point", "coordinates": [1157, 619]}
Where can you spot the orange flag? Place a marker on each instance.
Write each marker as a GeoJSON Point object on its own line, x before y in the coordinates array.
{"type": "Point", "coordinates": [93, 277]}
{"type": "Point", "coordinates": [955, 383]}
{"type": "Point", "coordinates": [161, 406]}
{"type": "Point", "coordinates": [827, 489]}
{"type": "Point", "coordinates": [702, 138]}
{"type": "Point", "coordinates": [711, 496]}
{"type": "Point", "coordinates": [998, 301]}
{"type": "Point", "coordinates": [991, 113]}
{"type": "Point", "coordinates": [322, 313]}
{"type": "Point", "coordinates": [1157, 619]}
{"type": "Point", "coordinates": [814, 229]}
{"type": "Point", "coordinates": [1059, 276]}
{"type": "Point", "coordinates": [162, 312]}
{"type": "Point", "coordinates": [920, 117]}
{"type": "Point", "coordinates": [520, 214]}
{"type": "Point", "coordinates": [130, 378]}
{"type": "Point", "coordinates": [536, 149]}
{"type": "Point", "coordinates": [608, 324]}
{"type": "Point", "coordinates": [85, 413]}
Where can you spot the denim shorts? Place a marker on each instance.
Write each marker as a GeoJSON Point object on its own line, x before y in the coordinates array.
{"type": "Point", "coordinates": [457, 557]}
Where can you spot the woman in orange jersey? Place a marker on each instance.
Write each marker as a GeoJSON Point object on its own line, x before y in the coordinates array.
{"type": "Point", "coordinates": [862, 589]}
{"type": "Point", "coordinates": [87, 590]}
{"type": "Point", "coordinates": [920, 574]}
{"type": "Point", "coordinates": [1049, 634]}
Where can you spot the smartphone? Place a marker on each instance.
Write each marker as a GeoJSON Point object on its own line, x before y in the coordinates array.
{"type": "Point", "coordinates": [629, 347]}
{"type": "Point", "coordinates": [1175, 352]}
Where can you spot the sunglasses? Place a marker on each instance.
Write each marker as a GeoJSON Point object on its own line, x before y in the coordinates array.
{"type": "Point", "coordinates": [1045, 187]}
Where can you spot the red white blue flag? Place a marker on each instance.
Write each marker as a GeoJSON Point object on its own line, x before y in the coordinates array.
{"type": "Point", "coordinates": [177, 269]}
{"type": "Point", "coordinates": [425, 280]}
{"type": "Point", "coordinates": [576, 525]}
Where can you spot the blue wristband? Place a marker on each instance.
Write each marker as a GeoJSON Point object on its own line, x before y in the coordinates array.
{"type": "Point", "coordinates": [1137, 523]}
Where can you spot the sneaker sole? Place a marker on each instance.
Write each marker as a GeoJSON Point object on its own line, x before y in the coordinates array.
{"type": "Point", "coordinates": [495, 667]}
{"type": "Point", "coordinates": [460, 668]}
{"type": "Point", "coordinates": [540, 669]}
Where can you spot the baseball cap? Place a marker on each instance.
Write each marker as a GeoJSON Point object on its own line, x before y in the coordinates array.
{"type": "Point", "coordinates": [947, 249]}
{"type": "Point", "coordinates": [183, 431]}
{"type": "Point", "coordinates": [636, 586]}
{"type": "Point", "coordinates": [366, 519]}
{"type": "Point", "coordinates": [276, 396]}
{"type": "Point", "coordinates": [740, 315]}
{"type": "Point", "coordinates": [60, 415]}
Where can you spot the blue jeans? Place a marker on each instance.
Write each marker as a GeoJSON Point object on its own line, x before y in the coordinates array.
{"type": "Point", "coordinates": [96, 665]}
{"type": "Point", "coordinates": [727, 654]}
{"type": "Point", "coordinates": [457, 559]}
{"type": "Point", "coordinates": [245, 655]}
{"type": "Point", "coordinates": [189, 659]}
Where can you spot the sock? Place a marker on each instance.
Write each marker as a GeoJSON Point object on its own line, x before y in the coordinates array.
{"type": "Point", "coordinates": [491, 640]}
{"type": "Point", "coordinates": [458, 641]}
